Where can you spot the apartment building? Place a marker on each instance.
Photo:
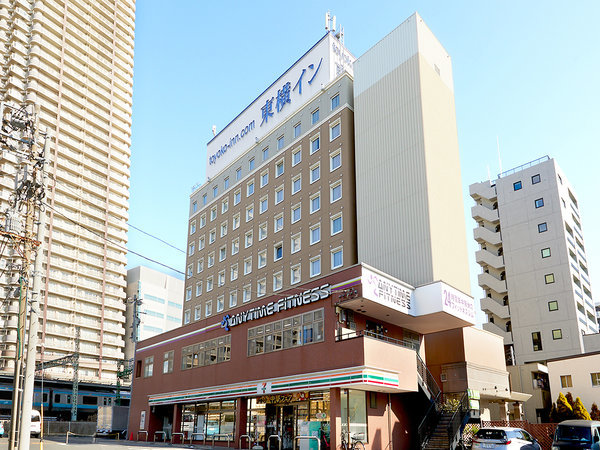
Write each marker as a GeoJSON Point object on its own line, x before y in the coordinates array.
{"type": "Point", "coordinates": [154, 305]}
{"type": "Point", "coordinates": [534, 267]}
{"type": "Point", "coordinates": [74, 59]}
{"type": "Point", "coordinates": [316, 263]}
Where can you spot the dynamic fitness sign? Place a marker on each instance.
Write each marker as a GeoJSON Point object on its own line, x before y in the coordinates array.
{"type": "Point", "coordinates": [292, 301]}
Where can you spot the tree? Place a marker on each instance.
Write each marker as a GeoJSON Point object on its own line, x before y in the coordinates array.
{"type": "Point", "coordinates": [563, 408]}
{"type": "Point", "coordinates": [553, 414]}
{"type": "Point", "coordinates": [569, 398]}
{"type": "Point", "coordinates": [595, 412]}
{"type": "Point", "coordinates": [579, 411]}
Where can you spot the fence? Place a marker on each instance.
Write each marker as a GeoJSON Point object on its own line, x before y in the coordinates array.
{"type": "Point", "coordinates": [542, 432]}
{"type": "Point", "coordinates": [61, 428]}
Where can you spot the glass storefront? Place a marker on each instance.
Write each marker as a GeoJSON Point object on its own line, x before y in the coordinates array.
{"type": "Point", "coordinates": [354, 414]}
{"type": "Point", "coordinates": [210, 419]}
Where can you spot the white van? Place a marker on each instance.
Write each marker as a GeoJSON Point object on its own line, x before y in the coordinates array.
{"type": "Point", "coordinates": [36, 423]}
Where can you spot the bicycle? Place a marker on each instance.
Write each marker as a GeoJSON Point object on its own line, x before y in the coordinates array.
{"type": "Point", "coordinates": [355, 445]}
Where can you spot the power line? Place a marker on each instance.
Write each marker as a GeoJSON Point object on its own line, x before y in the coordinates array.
{"type": "Point", "coordinates": [112, 242]}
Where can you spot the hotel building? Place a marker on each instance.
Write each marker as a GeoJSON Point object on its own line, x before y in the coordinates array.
{"type": "Point", "coordinates": [322, 249]}
{"type": "Point", "coordinates": [74, 59]}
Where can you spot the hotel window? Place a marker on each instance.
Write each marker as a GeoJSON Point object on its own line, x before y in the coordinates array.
{"type": "Point", "coordinates": [265, 153]}
{"type": "Point", "coordinates": [191, 249]}
{"type": "Point", "coordinates": [222, 253]}
{"type": "Point", "coordinates": [565, 381]}
{"type": "Point", "coordinates": [250, 188]}
{"type": "Point", "coordinates": [198, 288]}
{"type": "Point", "coordinates": [188, 294]}
{"type": "Point", "coordinates": [223, 229]}
{"type": "Point", "coordinates": [279, 168]}
{"type": "Point", "coordinates": [315, 203]}
{"type": "Point", "coordinates": [535, 179]}
{"type": "Point", "coordinates": [278, 223]}
{"type": "Point", "coordinates": [336, 224]}
{"type": "Point", "coordinates": [277, 281]}
{"type": "Point", "coordinates": [337, 258]}
{"type": "Point", "coordinates": [335, 191]}
{"type": "Point", "coordinates": [549, 278]}
{"type": "Point", "coordinates": [262, 231]}
{"type": "Point", "coordinates": [297, 130]}
{"type": "Point", "coordinates": [235, 246]}
{"type": "Point", "coordinates": [334, 131]}
{"type": "Point", "coordinates": [546, 252]}
{"type": "Point", "coordinates": [335, 160]}
{"type": "Point", "coordinates": [261, 287]}
{"type": "Point", "coordinates": [517, 186]}
{"type": "Point", "coordinates": [295, 274]}
{"type": "Point", "coordinates": [296, 184]}
{"type": "Point", "coordinates": [315, 144]}
{"type": "Point", "coordinates": [224, 206]}
{"type": "Point", "coordinates": [315, 173]}
{"type": "Point", "coordinates": [314, 116]}
{"type": "Point", "coordinates": [208, 309]}
{"type": "Point", "coordinates": [200, 265]}
{"type": "Point", "coordinates": [149, 366]}
{"type": "Point", "coordinates": [263, 205]}
{"type": "Point", "coordinates": [202, 220]}
{"type": "Point", "coordinates": [238, 174]}
{"type": "Point", "coordinates": [247, 265]}
{"type": "Point", "coordinates": [557, 334]}
{"type": "Point", "coordinates": [193, 227]}
{"type": "Point", "coordinates": [187, 316]}
{"type": "Point", "coordinates": [194, 206]}
{"type": "Point", "coordinates": [279, 195]}
{"type": "Point", "coordinates": [213, 213]}
{"type": "Point", "coordinates": [315, 234]}
{"type": "Point", "coordinates": [296, 213]}
{"type": "Point", "coordinates": [280, 143]}
{"type": "Point", "coordinates": [212, 235]}
{"type": "Point", "coordinates": [295, 244]}
{"type": "Point", "coordinates": [235, 222]}
{"type": "Point", "coordinates": [226, 183]}
{"type": "Point", "coordinates": [237, 197]}
{"type": "Point", "coordinates": [264, 178]}
{"type": "Point", "coordinates": [315, 266]}
{"type": "Point", "coordinates": [189, 271]}
{"type": "Point", "coordinates": [197, 312]}
{"type": "Point", "coordinates": [209, 284]}
{"type": "Point", "coordinates": [595, 379]}
{"type": "Point", "coordinates": [204, 197]}
{"type": "Point", "coordinates": [296, 156]}
{"type": "Point", "coordinates": [247, 293]}
{"type": "Point", "coordinates": [262, 259]}
{"type": "Point", "coordinates": [211, 259]}
{"type": "Point", "coordinates": [536, 340]}
{"type": "Point", "coordinates": [232, 299]}
{"type": "Point", "coordinates": [215, 191]}
{"type": "Point", "coordinates": [220, 303]}
{"type": "Point", "coordinates": [552, 305]}
{"type": "Point", "coordinates": [542, 227]}
{"type": "Point", "coordinates": [335, 101]}
{"type": "Point", "coordinates": [221, 278]}
{"type": "Point", "coordinates": [251, 164]}
{"type": "Point", "coordinates": [248, 239]}
{"type": "Point", "coordinates": [278, 251]}
{"type": "Point", "coordinates": [249, 213]}
{"type": "Point", "coordinates": [201, 243]}
{"type": "Point", "coordinates": [539, 202]}
{"type": "Point", "coordinates": [233, 272]}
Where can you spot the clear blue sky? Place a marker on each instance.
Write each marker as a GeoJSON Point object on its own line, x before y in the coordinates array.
{"type": "Point", "coordinates": [524, 71]}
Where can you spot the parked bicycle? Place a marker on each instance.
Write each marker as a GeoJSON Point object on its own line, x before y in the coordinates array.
{"type": "Point", "coordinates": [355, 444]}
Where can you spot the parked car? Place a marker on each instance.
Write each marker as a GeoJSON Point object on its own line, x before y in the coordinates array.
{"type": "Point", "coordinates": [577, 434]}
{"type": "Point", "coordinates": [36, 423]}
{"type": "Point", "coordinates": [504, 438]}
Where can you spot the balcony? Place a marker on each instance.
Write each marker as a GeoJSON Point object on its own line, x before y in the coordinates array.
{"type": "Point", "coordinates": [483, 235]}
{"type": "Point", "coordinates": [485, 189]}
{"type": "Point", "coordinates": [488, 281]}
{"type": "Point", "coordinates": [485, 257]}
{"type": "Point", "coordinates": [492, 306]}
{"type": "Point", "coordinates": [480, 212]}
{"type": "Point", "coordinates": [493, 328]}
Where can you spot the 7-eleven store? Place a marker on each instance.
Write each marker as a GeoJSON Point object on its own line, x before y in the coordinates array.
{"type": "Point", "coordinates": [341, 353]}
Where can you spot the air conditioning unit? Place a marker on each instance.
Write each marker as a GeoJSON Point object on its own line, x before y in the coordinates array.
{"type": "Point", "coordinates": [443, 377]}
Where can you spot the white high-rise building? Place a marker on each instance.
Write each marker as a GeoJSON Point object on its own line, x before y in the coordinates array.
{"type": "Point", "coordinates": [74, 59]}
{"type": "Point", "coordinates": [535, 271]}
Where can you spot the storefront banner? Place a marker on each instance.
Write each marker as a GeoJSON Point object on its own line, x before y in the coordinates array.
{"type": "Point", "coordinates": [385, 291]}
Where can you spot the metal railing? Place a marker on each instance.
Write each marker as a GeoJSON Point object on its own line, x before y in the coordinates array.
{"type": "Point", "coordinates": [457, 418]}
{"type": "Point", "coordinates": [142, 431]}
{"type": "Point", "coordinates": [428, 378]}
{"type": "Point", "coordinates": [430, 420]}
{"type": "Point", "coordinates": [269, 441]}
{"type": "Point", "coordinates": [306, 438]}
{"type": "Point", "coordinates": [191, 437]}
{"type": "Point", "coordinates": [247, 436]}
{"type": "Point", "coordinates": [361, 333]}
{"type": "Point", "coordinates": [523, 166]}
{"type": "Point", "coordinates": [229, 437]}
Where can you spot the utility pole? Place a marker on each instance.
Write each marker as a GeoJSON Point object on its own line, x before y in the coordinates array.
{"type": "Point", "coordinates": [75, 394]}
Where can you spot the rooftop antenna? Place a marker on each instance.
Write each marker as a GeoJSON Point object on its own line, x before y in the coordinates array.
{"type": "Point", "coordinates": [498, 149]}
{"type": "Point", "coordinates": [333, 24]}
{"type": "Point", "coordinates": [489, 175]}
{"type": "Point", "coordinates": [327, 20]}
{"type": "Point", "coordinates": [214, 130]}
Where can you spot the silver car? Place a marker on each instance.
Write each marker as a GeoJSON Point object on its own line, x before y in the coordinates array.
{"type": "Point", "coordinates": [504, 438]}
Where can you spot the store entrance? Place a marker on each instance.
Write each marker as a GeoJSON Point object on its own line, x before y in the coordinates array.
{"type": "Point", "coordinates": [282, 420]}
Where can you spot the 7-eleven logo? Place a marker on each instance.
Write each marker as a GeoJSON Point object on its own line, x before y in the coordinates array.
{"type": "Point", "coordinates": [263, 388]}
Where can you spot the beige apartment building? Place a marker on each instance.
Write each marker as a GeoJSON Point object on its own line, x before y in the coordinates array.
{"type": "Point", "coordinates": [74, 59]}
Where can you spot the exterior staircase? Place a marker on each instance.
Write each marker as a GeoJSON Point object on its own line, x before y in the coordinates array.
{"type": "Point", "coordinates": [439, 438]}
